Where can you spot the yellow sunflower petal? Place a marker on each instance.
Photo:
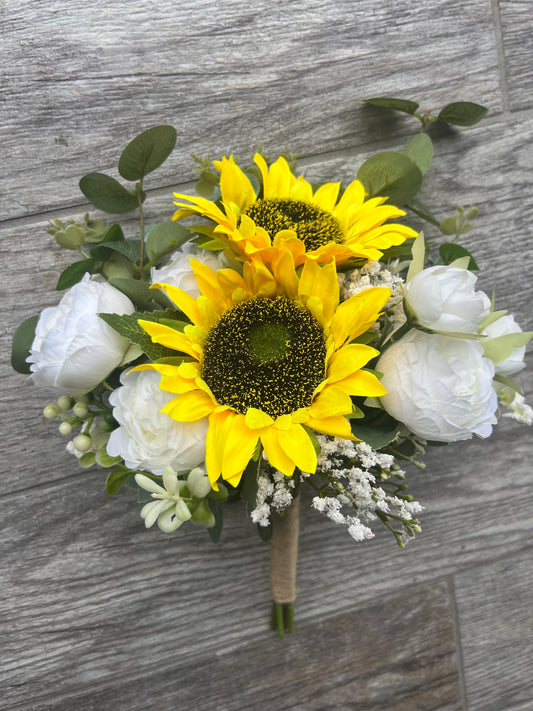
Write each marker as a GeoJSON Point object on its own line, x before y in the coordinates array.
{"type": "Point", "coordinates": [330, 402]}
{"type": "Point", "coordinates": [184, 301]}
{"type": "Point", "coordinates": [326, 196]}
{"type": "Point", "coordinates": [348, 359]}
{"type": "Point", "coordinates": [169, 337]}
{"type": "Point", "coordinates": [333, 426]}
{"type": "Point", "coordinates": [297, 445]}
{"type": "Point", "coordinates": [190, 406]}
{"type": "Point", "coordinates": [275, 453]}
{"type": "Point", "coordinates": [235, 186]}
{"type": "Point", "coordinates": [363, 384]}
{"type": "Point", "coordinates": [357, 314]}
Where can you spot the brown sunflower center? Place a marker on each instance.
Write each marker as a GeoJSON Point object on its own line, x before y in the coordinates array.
{"type": "Point", "coordinates": [313, 225]}
{"type": "Point", "coordinates": [265, 353]}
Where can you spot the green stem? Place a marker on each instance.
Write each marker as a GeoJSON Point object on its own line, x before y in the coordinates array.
{"type": "Point", "coordinates": [141, 217]}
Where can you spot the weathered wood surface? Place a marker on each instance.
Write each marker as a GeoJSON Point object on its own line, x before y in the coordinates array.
{"type": "Point", "coordinates": [98, 614]}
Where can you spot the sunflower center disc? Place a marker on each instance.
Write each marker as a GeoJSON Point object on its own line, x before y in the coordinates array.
{"type": "Point", "coordinates": [265, 353]}
{"type": "Point", "coordinates": [313, 225]}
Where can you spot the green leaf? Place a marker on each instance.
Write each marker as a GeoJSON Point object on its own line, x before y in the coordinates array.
{"type": "Point", "coordinates": [108, 194]}
{"type": "Point", "coordinates": [378, 428]}
{"type": "Point", "coordinates": [420, 151]}
{"type": "Point", "coordinates": [114, 233]}
{"type": "Point", "coordinates": [74, 273]}
{"type": "Point", "coordinates": [22, 342]}
{"type": "Point", "coordinates": [249, 483]}
{"type": "Point", "coordinates": [404, 105]}
{"type": "Point", "coordinates": [419, 257]}
{"type": "Point", "coordinates": [508, 383]}
{"type": "Point", "coordinates": [422, 211]}
{"type": "Point", "coordinates": [265, 532]}
{"type": "Point", "coordinates": [393, 174]}
{"type": "Point", "coordinates": [139, 292]}
{"type": "Point", "coordinates": [147, 152]}
{"type": "Point", "coordinates": [462, 113]}
{"type": "Point", "coordinates": [127, 325]}
{"type": "Point", "coordinates": [217, 509]}
{"type": "Point", "coordinates": [500, 348]}
{"type": "Point", "coordinates": [116, 479]}
{"type": "Point", "coordinates": [165, 238]}
{"type": "Point", "coordinates": [131, 249]}
{"type": "Point", "coordinates": [448, 226]}
{"type": "Point", "coordinates": [449, 252]}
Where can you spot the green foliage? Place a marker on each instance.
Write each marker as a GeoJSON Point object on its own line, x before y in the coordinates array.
{"type": "Point", "coordinates": [74, 273]}
{"type": "Point", "coordinates": [146, 152]}
{"type": "Point", "coordinates": [165, 238]}
{"type": "Point", "coordinates": [385, 102]}
{"type": "Point", "coordinates": [22, 342]}
{"type": "Point", "coordinates": [378, 428]}
{"type": "Point", "coordinates": [462, 113]}
{"type": "Point", "coordinates": [116, 479]}
{"type": "Point", "coordinates": [131, 249]}
{"type": "Point", "coordinates": [217, 509]}
{"type": "Point", "coordinates": [108, 194]}
{"type": "Point", "coordinates": [139, 292]}
{"type": "Point", "coordinates": [458, 224]}
{"type": "Point", "coordinates": [128, 326]}
{"type": "Point", "coordinates": [449, 252]}
{"type": "Point", "coordinates": [420, 151]}
{"type": "Point", "coordinates": [392, 174]}
{"type": "Point", "coordinates": [500, 348]}
{"type": "Point", "coordinates": [422, 211]}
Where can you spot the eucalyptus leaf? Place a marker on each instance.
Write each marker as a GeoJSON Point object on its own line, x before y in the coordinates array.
{"type": "Point", "coordinates": [146, 152]}
{"type": "Point", "coordinates": [422, 211]}
{"type": "Point", "coordinates": [114, 233]}
{"type": "Point", "coordinates": [391, 174]}
{"type": "Point", "coordinates": [450, 252]}
{"type": "Point", "coordinates": [249, 484]}
{"type": "Point", "coordinates": [108, 194]}
{"type": "Point", "coordinates": [22, 342]}
{"type": "Point", "coordinates": [164, 238]}
{"type": "Point", "coordinates": [420, 151]}
{"type": "Point", "coordinates": [74, 273]}
{"type": "Point", "coordinates": [462, 113]}
{"type": "Point", "coordinates": [131, 249]}
{"type": "Point", "coordinates": [378, 428]}
{"type": "Point", "coordinates": [139, 292]}
{"type": "Point", "coordinates": [404, 105]}
{"type": "Point", "coordinates": [127, 325]}
{"type": "Point", "coordinates": [217, 509]}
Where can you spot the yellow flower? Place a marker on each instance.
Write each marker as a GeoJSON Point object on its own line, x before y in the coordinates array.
{"type": "Point", "coordinates": [291, 216]}
{"type": "Point", "coordinates": [270, 355]}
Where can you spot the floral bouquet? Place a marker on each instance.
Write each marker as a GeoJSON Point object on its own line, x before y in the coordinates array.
{"type": "Point", "coordinates": [273, 335]}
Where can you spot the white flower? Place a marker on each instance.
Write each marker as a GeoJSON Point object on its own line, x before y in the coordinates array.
{"type": "Point", "coordinates": [178, 271]}
{"type": "Point", "coordinates": [442, 298]}
{"type": "Point", "coordinates": [147, 438]}
{"type": "Point", "coordinates": [169, 509]}
{"type": "Point", "coordinates": [74, 349]}
{"type": "Point", "coordinates": [504, 326]}
{"type": "Point", "coordinates": [439, 386]}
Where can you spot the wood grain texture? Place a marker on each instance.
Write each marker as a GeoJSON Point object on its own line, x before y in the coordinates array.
{"type": "Point", "coordinates": [491, 620]}
{"type": "Point", "coordinates": [97, 613]}
{"type": "Point", "coordinates": [83, 78]}
{"type": "Point", "coordinates": [517, 29]}
{"type": "Point", "coordinates": [370, 659]}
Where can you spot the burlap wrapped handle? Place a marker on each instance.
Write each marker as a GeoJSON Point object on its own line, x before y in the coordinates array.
{"type": "Point", "coordinates": [283, 566]}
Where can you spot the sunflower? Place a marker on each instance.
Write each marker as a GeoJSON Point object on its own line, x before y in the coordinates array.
{"type": "Point", "coordinates": [270, 358]}
{"type": "Point", "coordinates": [291, 216]}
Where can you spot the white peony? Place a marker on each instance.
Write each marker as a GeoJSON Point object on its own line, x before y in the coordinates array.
{"type": "Point", "coordinates": [504, 326]}
{"type": "Point", "coordinates": [147, 438]}
{"type": "Point", "coordinates": [439, 386]}
{"type": "Point", "coordinates": [73, 349]}
{"type": "Point", "coordinates": [442, 298]}
{"type": "Point", "coordinates": [178, 270]}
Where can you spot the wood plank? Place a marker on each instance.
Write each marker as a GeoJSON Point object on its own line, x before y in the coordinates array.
{"type": "Point", "coordinates": [495, 608]}
{"type": "Point", "coordinates": [517, 29]}
{"type": "Point", "coordinates": [83, 80]}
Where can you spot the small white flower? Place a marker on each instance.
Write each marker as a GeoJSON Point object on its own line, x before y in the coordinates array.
{"type": "Point", "coordinates": [442, 298]}
{"type": "Point", "coordinates": [148, 438]}
{"type": "Point", "coordinates": [178, 271]}
{"type": "Point", "coordinates": [439, 386]}
{"type": "Point", "coordinates": [169, 509]}
{"type": "Point", "coordinates": [74, 349]}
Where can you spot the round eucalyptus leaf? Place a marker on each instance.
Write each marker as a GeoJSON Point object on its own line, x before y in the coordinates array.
{"type": "Point", "coordinates": [147, 152]}
{"type": "Point", "coordinates": [107, 194]}
{"type": "Point", "coordinates": [420, 151]}
{"type": "Point", "coordinates": [391, 174]}
{"type": "Point", "coordinates": [22, 342]}
{"type": "Point", "coordinates": [462, 113]}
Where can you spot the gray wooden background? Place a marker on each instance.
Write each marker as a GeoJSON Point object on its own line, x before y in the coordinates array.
{"type": "Point", "coordinates": [98, 614]}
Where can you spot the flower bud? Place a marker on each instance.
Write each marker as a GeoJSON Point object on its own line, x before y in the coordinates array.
{"type": "Point", "coordinates": [64, 402]}
{"type": "Point", "coordinates": [82, 443]}
{"type": "Point", "coordinates": [80, 410]}
{"type": "Point", "coordinates": [203, 516]}
{"type": "Point", "coordinates": [65, 428]}
{"type": "Point", "coordinates": [198, 483]}
{"type": "Point", "coordinates": [51, 412]}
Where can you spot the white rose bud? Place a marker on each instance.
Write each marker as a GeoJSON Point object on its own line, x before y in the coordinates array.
{"type": "Point", "coordinates": [147, 438]}
{"type": "Point", "coordinates": [74, 349]}
{"type": "Point", "coordinates": [178, 270]}
{"type": "Point", "coordinates": [439, 386]}
{"type": "Point", "coordinates": [504, 326]}
{"type": "Point", "coordinates": [442, 298]}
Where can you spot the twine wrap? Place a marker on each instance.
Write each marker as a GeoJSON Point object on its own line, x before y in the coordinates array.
{"type": "Point", "coordinates": [284, 553]}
